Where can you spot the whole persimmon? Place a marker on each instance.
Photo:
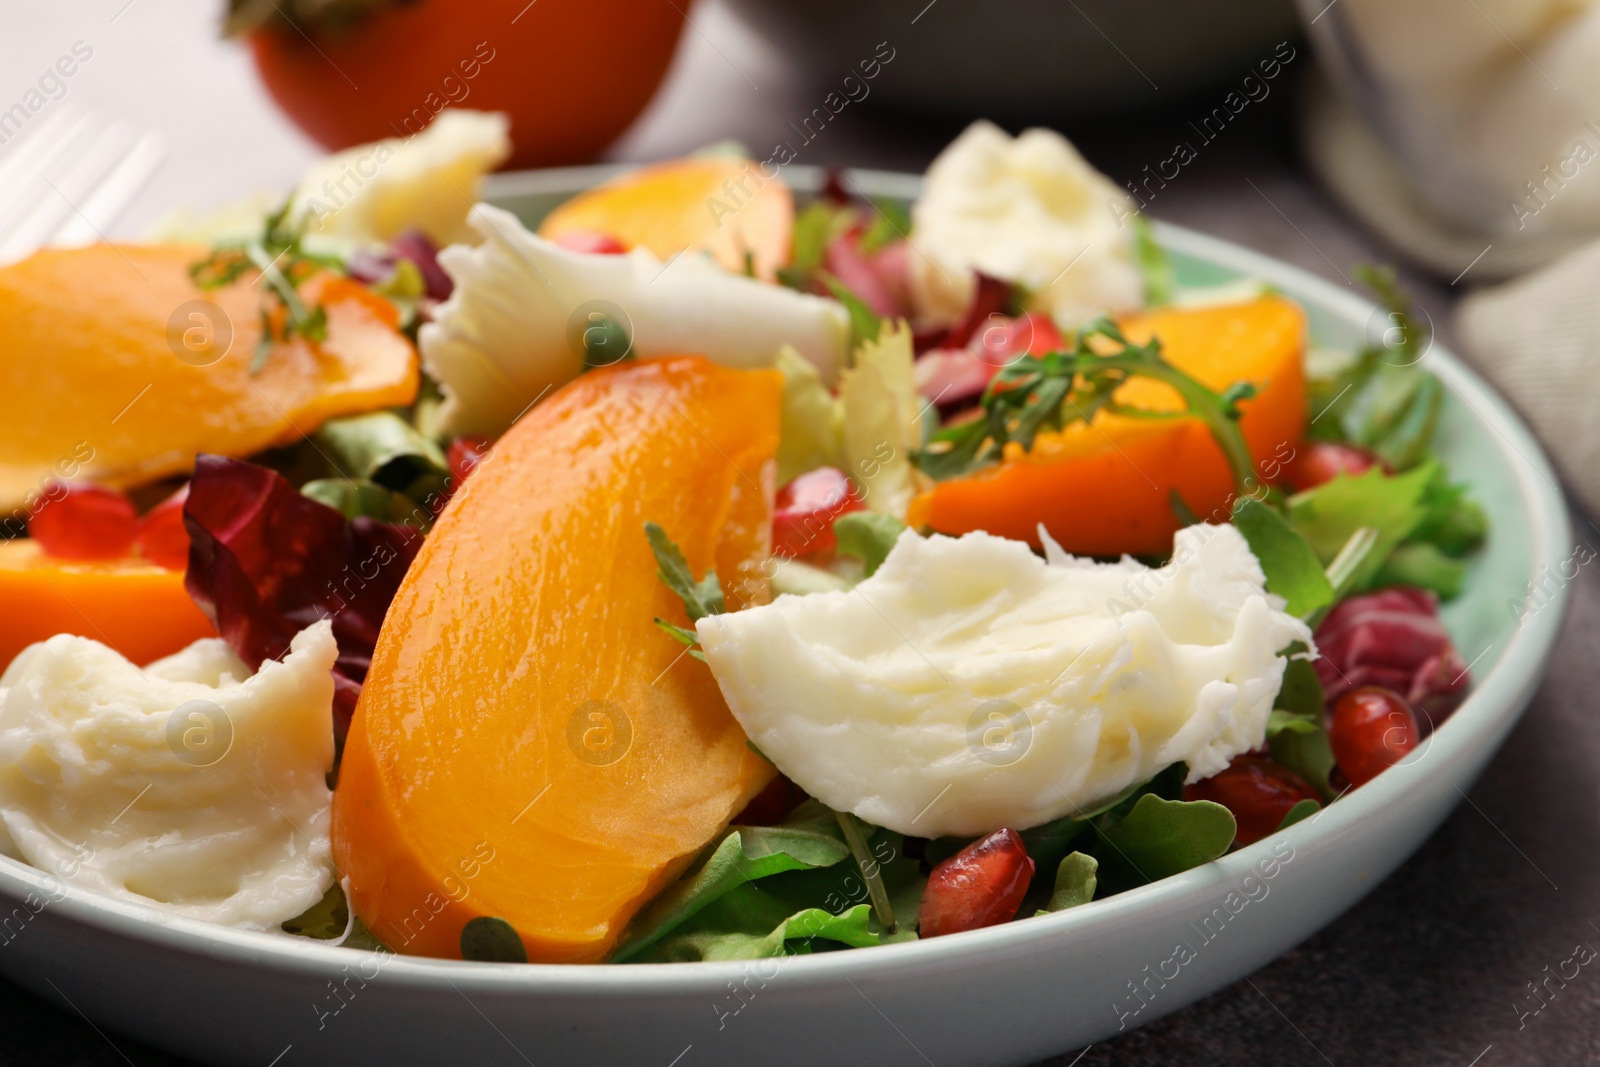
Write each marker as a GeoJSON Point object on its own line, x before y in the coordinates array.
{"type": "Point", "coordinates": [572, 76]}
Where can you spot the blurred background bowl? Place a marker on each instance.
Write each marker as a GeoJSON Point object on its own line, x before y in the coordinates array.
{"type": "Point", "coordinates": [1025, 60]}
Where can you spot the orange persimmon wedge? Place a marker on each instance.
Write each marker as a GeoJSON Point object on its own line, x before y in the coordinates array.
{"type": "Point", "coordinates": [136, 607]}
{"type": "Point", "coordinates": [716, 204]}
{"type": "Point", "coordinates": [113, 367]}
{"type": "Point", "coordinates": [529, 745]}
{"type": "Point", "coordinates": [1106, 488]}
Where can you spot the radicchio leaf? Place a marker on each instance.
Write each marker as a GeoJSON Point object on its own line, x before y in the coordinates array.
{"type": "Point", "coordinates": [1392, 638]}
{"type": "Point", "coordinates": [266, 561]}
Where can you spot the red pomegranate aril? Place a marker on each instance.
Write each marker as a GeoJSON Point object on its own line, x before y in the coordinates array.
{"type": "Point", "coordinates": [1372, 729]}
{"type": "Point", "coordinates": [803, 514]}
{"type": "Point", "coordinates": [1258, 791]}
{"type": "Point", "coordinates": [84, 521]}
{"type": "Point", "coordinates": [598, 244]}
{"type": "Point", "coordinates": [1322, 461]}
{"type": "Point", "coordinates": [982, 885]}
{"type": "Point", "coordinates": [1001, 342]}
{"type": "Point", "coordinates": [161, 535]}
{"type": "Point", "coordinates": [464, 455]}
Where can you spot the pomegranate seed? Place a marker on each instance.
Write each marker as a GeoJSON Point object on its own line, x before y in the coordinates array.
{"type": "Point", "coordinates": [1322, 461]}
{"type": "Point", "coordinates": [599, 244]}
{"type": "Point", "coordinates": [82, 520]}
{"type": "Point", "coordinates": [802, 517]}
{"type": "Point", "coordinates": [162, 538]}
{"type": "Point", "coordinates": [1258, 791]}
{"type": "Point", "coordinates": [464, 455]}
{"type": "Point", "coordinates": [982, 885]}
{"type": "Point", "coordinates": [1373, 728]}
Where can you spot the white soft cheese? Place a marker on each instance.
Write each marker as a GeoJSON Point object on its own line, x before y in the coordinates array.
{"type": "Point", "coordinates": [189, 785]}
{"type": "Point", "coordinates": [969, 684]}
{"type": "Point", "coordinates": [428, 181]}
{"type": "Point", "coordinates": [513, 328]}
{"type": "Point", "coordinates": [1027, 209]}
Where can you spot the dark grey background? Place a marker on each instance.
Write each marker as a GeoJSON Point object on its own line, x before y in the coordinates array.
{"type": "Point", "coordinates": [1433, 967]}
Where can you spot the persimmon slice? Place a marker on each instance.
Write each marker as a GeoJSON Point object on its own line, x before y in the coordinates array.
{"type": "Point", "coordinates": [117, 369]}
{"type": "Point", "coordinates": [1105, 489]}
{"type": "Point", "coordinates": [529, 745]}
{"type": "Point", "coordinates": [138, 608]}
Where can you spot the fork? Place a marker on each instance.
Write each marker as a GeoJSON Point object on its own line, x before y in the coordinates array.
{"type": "Point", "coordinates": [66, 181]}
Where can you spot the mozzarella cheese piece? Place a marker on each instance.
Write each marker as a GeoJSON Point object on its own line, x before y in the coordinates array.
{"type": "Point", "coordinates": [1027, 209]}
{"type": "Point", "coordinates": [190, 786]}
{"type": "Point", "coordinates": [969, 685]}
{"type": "Point", "coordinates": [514, 327]}
{"type": "Point", "coordinates": [373, 192]}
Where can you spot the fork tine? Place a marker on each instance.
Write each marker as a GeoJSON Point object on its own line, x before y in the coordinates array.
{"type": "Point", "coordinates": [23, 196]}
{"type": "Point", "coordinates": [117, 185]}
{"type": "Point", "coordinates": [45, 202]}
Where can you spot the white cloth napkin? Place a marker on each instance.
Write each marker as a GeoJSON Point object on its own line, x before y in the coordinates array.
{"type": "Point", "coordinates": [1537, 339]}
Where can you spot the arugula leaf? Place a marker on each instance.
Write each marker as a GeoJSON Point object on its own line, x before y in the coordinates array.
{"type": "Point", "coordinates": [1153, 264]}
{"type": "Point", "coordinates": [700, 598]}
{"type": "Point", "coordinates": [1293, 570]}
{"type": "Point", "coordinates": [489, 939]}
{"type": "Point", "coordinates": [1453, 521]}
{"type": "Point", "coordinates": [1075, 883]}
{"type": "Point", "coordinates": [1159, 838]}
{"type": "Point", "coordinates": [867, 535]}
{"type": "Point", "coordinates": [865, 325]}
{"type": "Point", "coordinates": [1382, 400]}
{"type": "Point", "coordinates": [870, 869]}
{"type": "Point", "coordinates": [1391, 504]}
{"type": "Point", "coordinates": [809, 838]}
{"type": "Point", "coordinates": [1422, 564]}
{"type": "Point", "coordinates": [1034, 393]}
{"type": "Point", "coordinates": [748, 923]}
{"type": "Point", "coordinates": [1303, 809]}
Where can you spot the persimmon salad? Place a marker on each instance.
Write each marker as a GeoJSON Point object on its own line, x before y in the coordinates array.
{"type": "Point", "coordinates": [698, 572]}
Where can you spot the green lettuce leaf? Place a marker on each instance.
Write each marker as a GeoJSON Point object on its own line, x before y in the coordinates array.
{"type": "Point", "coordinates": [1296, 735]}
{"type": "Point", "coordinates": [878, 397]}
{"type": "Point", "coordinates": [1292, 568]}
{"type": "Point", "coordinates": [354, 498]}
{"type": "Point", "coordinates": [1392, 505]}
{"type": "Point", "coordinates": [1422, 564]}
{"type": "Point", "coordinates": [1159, 838]}
{"type": "Point", "coordinates": [1453, 521]}
{"type": "Point", "coordinates": [382, 447]}
{"type": "Point", "coordinates": [809, 838]}
{"type": "Point", "coordinates": [811, 420]}
{"type": "Point", "coordinates": [868, 536]}
{"type": "Point", "coordinates": [1303, 809]}
{"type": "Point", "coordinates": [1075, 882]}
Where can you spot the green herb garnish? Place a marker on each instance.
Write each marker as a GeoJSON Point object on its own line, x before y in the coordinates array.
{"type": "Point", "coordinates": [283, 263]}
{"type": "Point", "coordinates": [1035, 393]}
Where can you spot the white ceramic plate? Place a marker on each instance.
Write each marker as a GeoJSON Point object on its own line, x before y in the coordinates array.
{"type": "Point", "coordinates": [1006, 995]}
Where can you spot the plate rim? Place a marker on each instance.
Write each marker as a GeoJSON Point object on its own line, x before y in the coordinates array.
{"type": "Point", "coordinates": [1496, 701]}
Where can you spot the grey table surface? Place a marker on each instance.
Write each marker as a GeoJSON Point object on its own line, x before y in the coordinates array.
{"type": "Point", "coordinates": [1434, 966]}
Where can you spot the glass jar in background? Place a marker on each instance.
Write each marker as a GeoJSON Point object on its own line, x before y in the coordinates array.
{"type": "Point", "coordinates": [1492, 107]}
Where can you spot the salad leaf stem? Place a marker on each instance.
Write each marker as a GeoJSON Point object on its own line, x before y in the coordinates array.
{"type": "Point", "coordinates": [870, 872]}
